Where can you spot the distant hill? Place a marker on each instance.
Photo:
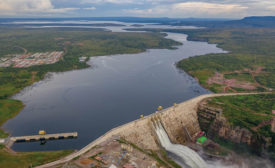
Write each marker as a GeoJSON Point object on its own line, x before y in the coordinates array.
{"type": "Point", "coordinates": [247, 22]}
{"type": "Point", "coordinates": [266, 21]}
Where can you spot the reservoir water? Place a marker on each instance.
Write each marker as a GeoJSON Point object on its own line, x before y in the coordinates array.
{"type": "Point", "coordinates": [116, 89]}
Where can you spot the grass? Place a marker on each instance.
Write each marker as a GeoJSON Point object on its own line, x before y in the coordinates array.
{"type": "Point", "coordinates": [246, 110]}
{"type": "Point", "coordinates": [23, 160]}
{"type": "Point", "coordinates": [240, 77]}
{"type": "Point", "coordinates": [8, 109]}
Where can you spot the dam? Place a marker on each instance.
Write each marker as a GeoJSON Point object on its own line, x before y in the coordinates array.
{"type": "Point", "coordinates": [175, 120]}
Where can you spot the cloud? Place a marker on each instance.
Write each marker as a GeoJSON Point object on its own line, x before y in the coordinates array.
{"type": "Point", "coordinates": [194, 9]}
{"type": "Point", "coordinates": [145, 8]}
{"type": "Point", "coordinates": [109, 1]}
{"type": "Point", "coordinates": [18, 7]}
{"type": "Point", "coordinates": [90, 8]}
{"type": "Point", "coordinates": [210, 8]}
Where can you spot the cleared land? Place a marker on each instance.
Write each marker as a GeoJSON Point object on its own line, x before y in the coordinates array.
{"type": "Point", "coordinates": [27, 60]}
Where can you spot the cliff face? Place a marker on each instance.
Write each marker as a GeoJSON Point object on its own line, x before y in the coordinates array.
{"type": "Point", "coordinates": [216, 126]}
{"type": "Point", "coordinates": [221, 129]}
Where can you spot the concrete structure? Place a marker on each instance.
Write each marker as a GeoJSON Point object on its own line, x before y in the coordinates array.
{"type": "Point", "coordinates": [180, 122]}
{"type": "Point", "coordinates": [43, 137]}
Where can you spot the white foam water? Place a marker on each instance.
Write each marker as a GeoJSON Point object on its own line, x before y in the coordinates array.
{"type": "Point", "coordinates": [193, 160]}
{"type": "Point", "coordinates": [190, 157]}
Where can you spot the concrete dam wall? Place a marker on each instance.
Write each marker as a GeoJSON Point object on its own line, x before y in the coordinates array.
{"type": "Point", "coordinates": [179, 121]}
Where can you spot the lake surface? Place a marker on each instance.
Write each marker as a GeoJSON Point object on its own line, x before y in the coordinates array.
{"type": "Point", "coordinates": [113, 91]}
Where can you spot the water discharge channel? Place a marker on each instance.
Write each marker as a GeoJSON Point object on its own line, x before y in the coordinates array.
{"type": "Point", "coordinates": [115, 90]}
{"type": "Point", "coordinates": [189, 157]}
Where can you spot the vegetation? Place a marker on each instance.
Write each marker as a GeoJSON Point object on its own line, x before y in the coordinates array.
{"type": "Point", "coordinates": [30, 159]}
{"type": "Point", "coordinates": [247, 22]}
{"type": "Point", "coordinates": [249, 50]}
{"type": "Point", "coordinates": [246, 110]}
{"type": "Point", "coordinates": [253, 112]}
{"type": "Point", "coordinates": [75, 43]}
{"type": "Point", "coordinates": [251, 57]}
{"type": "Point", "coordinates": [8, 109]}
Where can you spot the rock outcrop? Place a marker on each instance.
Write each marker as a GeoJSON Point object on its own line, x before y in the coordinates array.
{"type": "Point", "coordinates": [215, 125]}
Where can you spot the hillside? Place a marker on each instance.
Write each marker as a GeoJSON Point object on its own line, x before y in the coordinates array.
{"type": "Point", "coordinates": [247, 22]}
{"type": "Point", "coordinates": [249, 64]}
{"type": "Point", "coordinates": [244, 123]}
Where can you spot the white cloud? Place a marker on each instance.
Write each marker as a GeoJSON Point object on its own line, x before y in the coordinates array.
{"type": "Point", "coordinates": [90, 8]}
{"type": "Point", "coordinates": [109, 1]}
{"type": "Point", "coordinates": [22, 7]}
{"type": "Point", "coordinates": [146, 8]}
{"type": "Point", "coordinates": [194, 9]}
{"type": "Point", "coordinates": [210, 8]}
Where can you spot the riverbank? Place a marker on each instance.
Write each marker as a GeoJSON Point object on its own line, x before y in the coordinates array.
{"type": "Point", "coordinates": [8, 109]}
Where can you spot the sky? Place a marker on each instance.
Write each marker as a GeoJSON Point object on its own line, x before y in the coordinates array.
{"type": "Point", "coordinates": [137, 8]}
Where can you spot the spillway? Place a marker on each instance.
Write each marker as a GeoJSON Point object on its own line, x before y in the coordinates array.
{"type": "Point", "coordinates": [190, 157]}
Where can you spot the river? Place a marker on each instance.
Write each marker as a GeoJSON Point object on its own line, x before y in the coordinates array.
{"type": "Point", "coordinates": [116, 89]}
